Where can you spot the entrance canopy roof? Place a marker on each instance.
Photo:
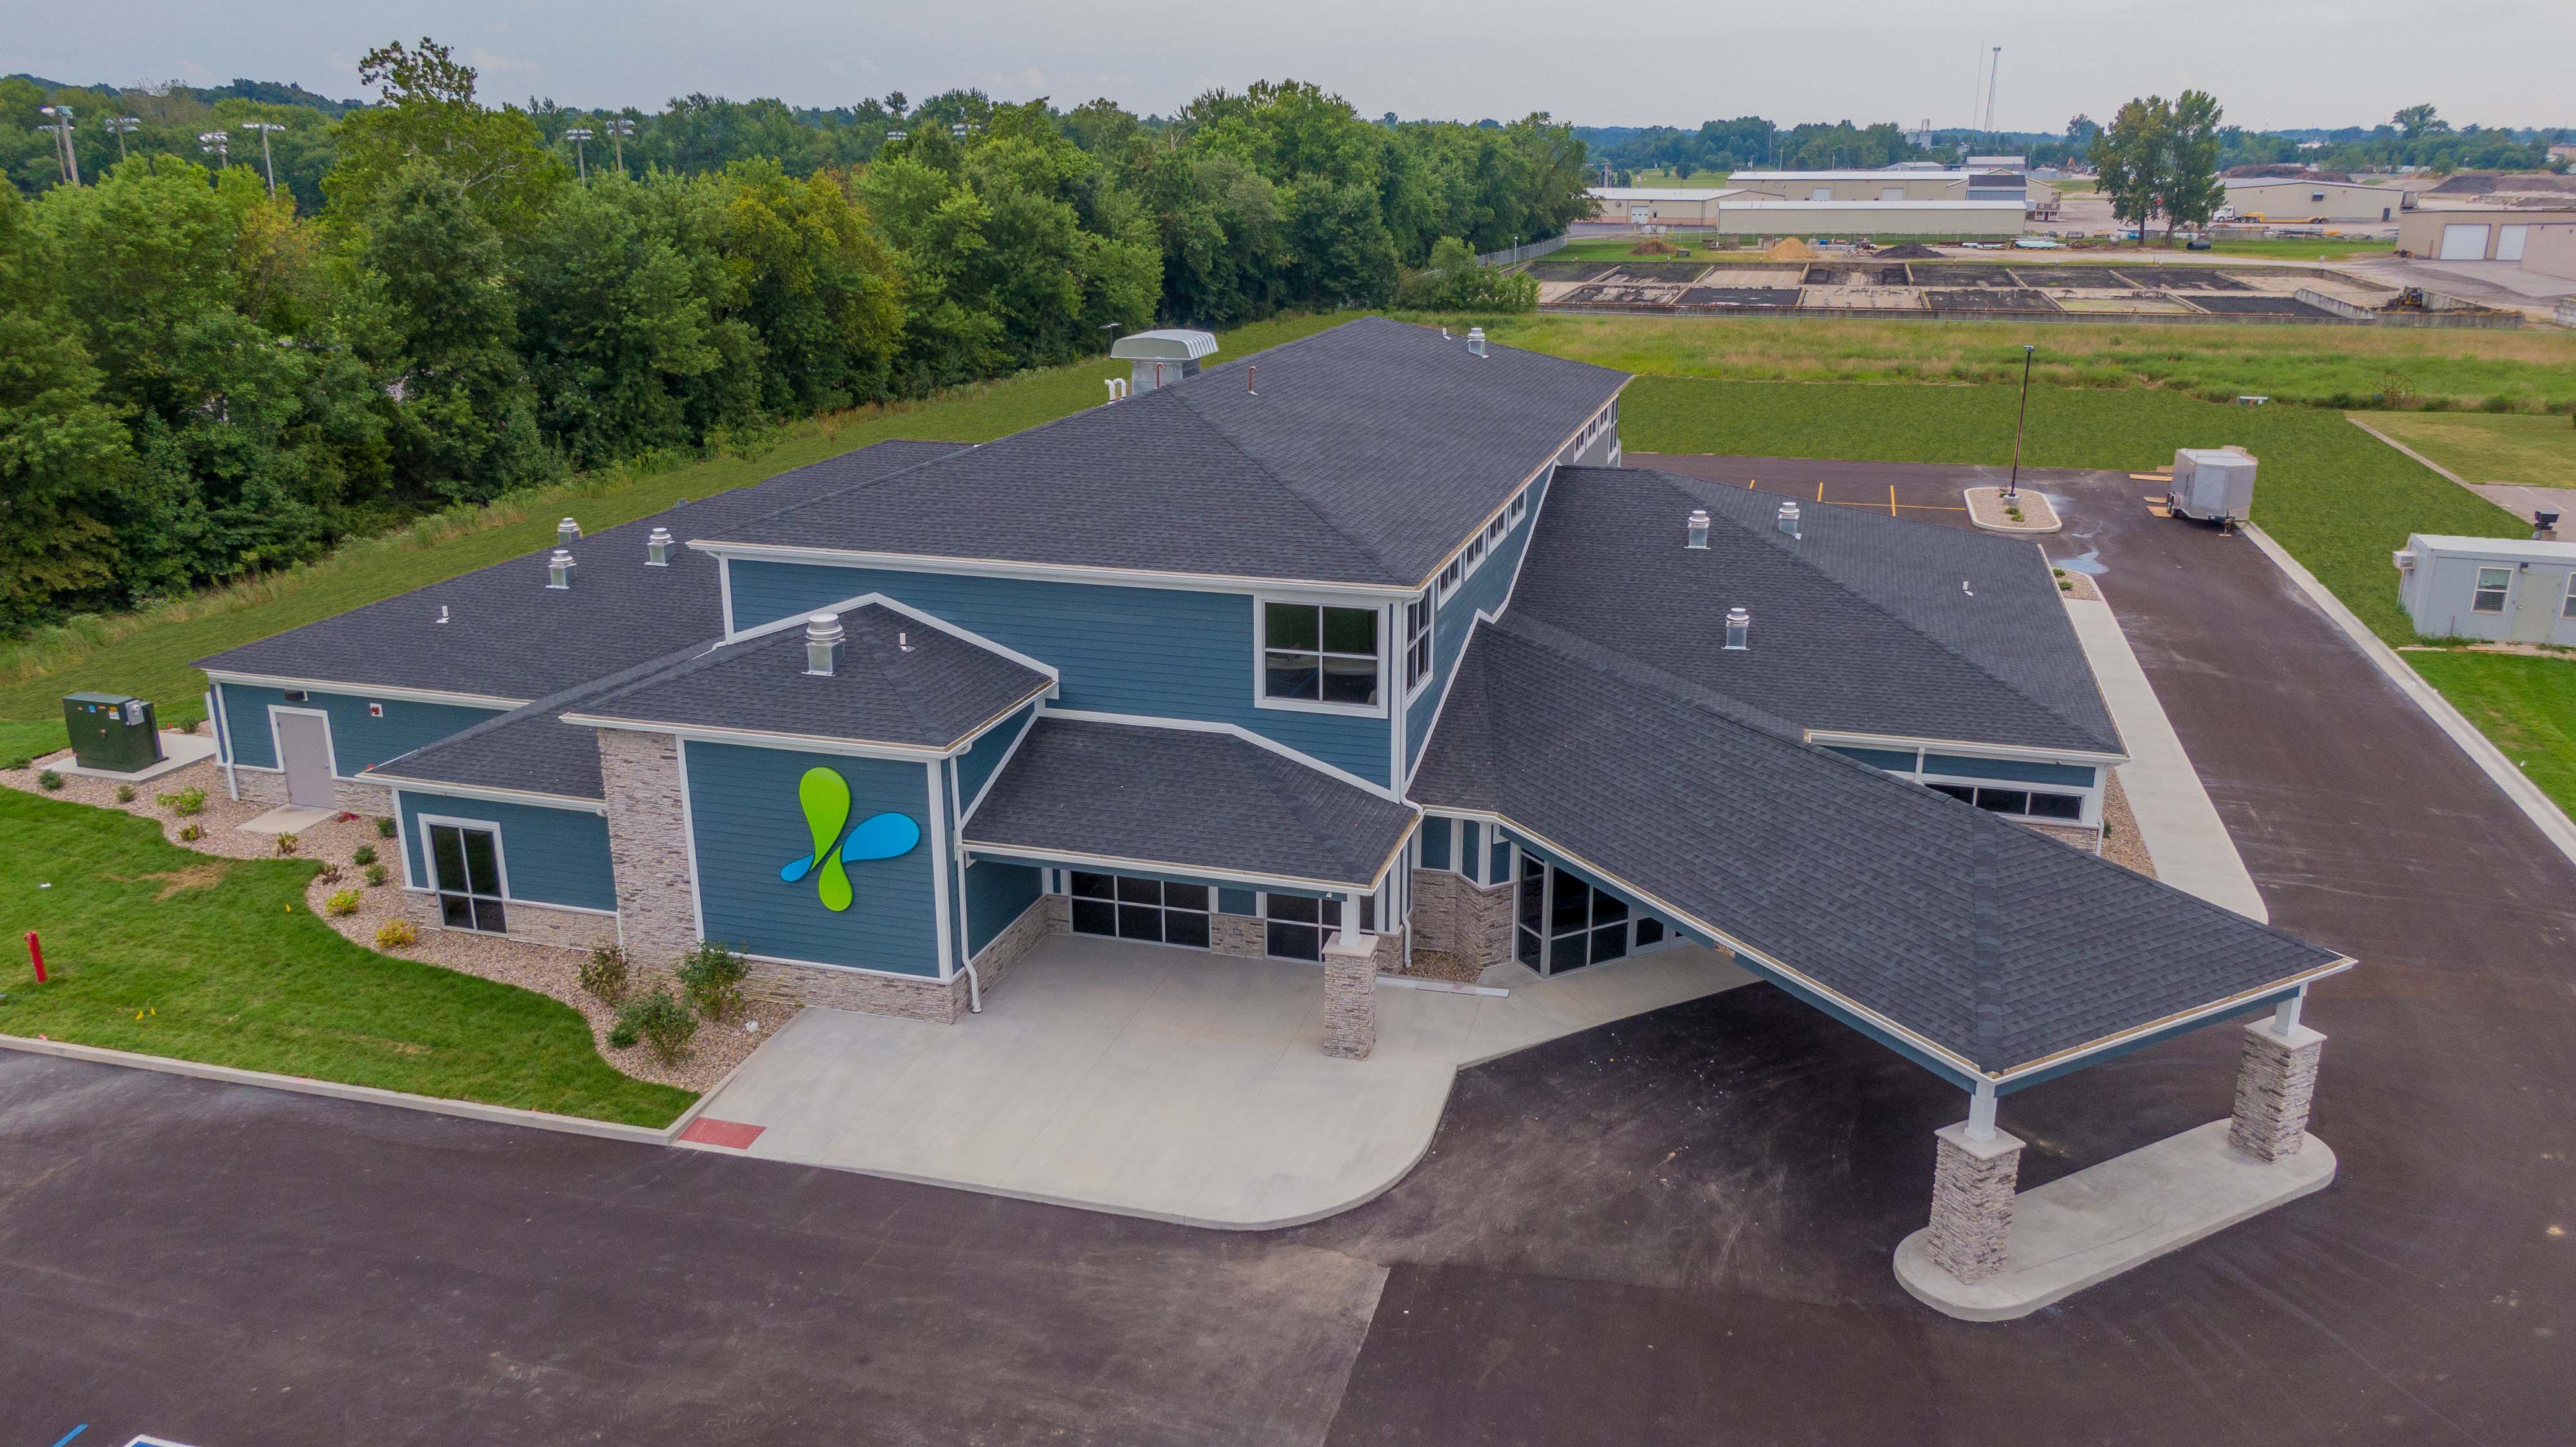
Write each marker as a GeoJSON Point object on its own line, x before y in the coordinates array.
{"type": "Point", "coordinates": [1199, 802]}
{"type": "Point", "coordinates": [1973, 945]}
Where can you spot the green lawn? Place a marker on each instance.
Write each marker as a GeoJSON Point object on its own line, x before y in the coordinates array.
{"type": "Point", "coordinates": [158, 949]}
{"type": "Point", "coordinates": [149, 655]}
{"type": "Point", "coordinates": [2325, 366]}
{"type": "Point", "coordinates": [2526, 703]}
{"type": "Point", "coordinates": [2533, 451]}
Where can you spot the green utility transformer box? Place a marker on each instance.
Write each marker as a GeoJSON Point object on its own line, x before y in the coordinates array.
{"type": "Point", "coordinates": [112, 732]}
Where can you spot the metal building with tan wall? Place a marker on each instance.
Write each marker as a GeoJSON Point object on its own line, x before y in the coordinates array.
{"type": "Point", "coordinates": [2301, 201]}
{"type": "Point", "coordinates": [2484, 234]}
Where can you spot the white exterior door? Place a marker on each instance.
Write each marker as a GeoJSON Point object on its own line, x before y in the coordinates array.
{"type": "Point", "coordinates": [2509, 241]}
{"type": "Point", "coordinates": [1640, 215]}
{"type": "Point", "coordinates": [304, 752]}
{"type": "Point", "coordinates": [2463, 243]}
{"type": "Point", "coordinates": [2538, 595]}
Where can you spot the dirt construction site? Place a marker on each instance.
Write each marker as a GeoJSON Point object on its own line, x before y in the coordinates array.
{"type": "Point", "coordinates": [2110, 290]}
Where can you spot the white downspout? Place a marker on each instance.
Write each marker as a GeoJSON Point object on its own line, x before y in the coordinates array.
{"type": "Point", "coordinates": [965, 941]}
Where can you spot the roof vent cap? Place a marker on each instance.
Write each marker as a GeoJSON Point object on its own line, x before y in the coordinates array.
{"type": "Point", "coordinates": [1739, 629]}
{"type": "Point", "coordinates": [1698, 529]}
{"type": "Point", "coordinates": [823, 634]}
{"type": "Point", "coordinates": [1789, 519]}
{"type": "Point", "coordinates": [559, 569]}
{"type": "Point", "coordinates": [657, 549]}
{"type": "Point", "coordinates": [1476, 340]}
{"type": "Point", "coordinates": [567, 531]}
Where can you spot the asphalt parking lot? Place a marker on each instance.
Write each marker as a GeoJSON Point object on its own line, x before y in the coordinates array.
{"type": "Point", "coordinates": [1672, 1229]}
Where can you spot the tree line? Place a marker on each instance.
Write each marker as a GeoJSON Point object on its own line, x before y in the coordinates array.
{"type": "Point", "coordinates": [441, 303]}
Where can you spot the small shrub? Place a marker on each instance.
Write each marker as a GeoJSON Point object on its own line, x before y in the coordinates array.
{"type": "Point", "coordinates": [378, 874]}
{"type": "Point", "coordinates": [365, 854]}
{"type": "Point", "coordinates": [125, 793]}
{"type": "Point", "coordinates": [2066, 585]}
{"type": "Point", "coordinates": [191, 833]}
{"type": "Point", "coordinates": [330, 874]}
{"type": "Point", "coordinates": [664, 1024]}
{"type": "Point", "coordinates": [384, 828]}
{"type": "Point", "coordinates": [395, 934]}
{"type": "Point", "coordinates": [711, 977]}
{"type": "Point", "coordinates": [604, 974]}
{"type": "Point", "coordinates": [190, 726]}
{"type": "Point", "coordinates": [18, 761]}
{"type": "Point", "coordinates": [49, 780]}
{"type": "Point", "coordinates": [191, 800]}
{"type": "Point", "coordinates": [287, 843]}
{"type": "Point", "coordinates": [343, 903]}
{"type": "Point", "coordinates": [622, 1035]}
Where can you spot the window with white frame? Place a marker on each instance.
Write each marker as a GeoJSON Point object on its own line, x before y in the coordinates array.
{"type": "Point", "coordinates": [1475, 554]}
{"type": "Point", "coordinates": [1520, 504]}
{"type": "Point", "coordinates": [1494, 530]}
{"type": "Point", "coordinates": [2492, 586]}
{"type": "Point", "coordinates": [2567, 605]}
{"type": "Point", "coordinates": [1320, 655]}
{"type": "Point", "coordinates": [1451, 574]}
{"type": "Point", "coordinates": [1417, 643]}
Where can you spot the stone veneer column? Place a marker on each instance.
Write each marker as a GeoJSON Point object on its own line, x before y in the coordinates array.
{"type": "Point", "coordinates": [648, 844]}
{"type": "Point", "coordinates": [2276, 1078]}
{"type": "Point", "coordinates": [1973, 1182]}
{"type": "Point", "coordinates": [1350, 996]}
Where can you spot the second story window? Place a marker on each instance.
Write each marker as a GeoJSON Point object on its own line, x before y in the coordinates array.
{"type": "Point", "coordinates": [1417, 644]}
{"type": "Point", "coordinates": [1520, 504]}
{"type": "Point", "coordinates": [1312, 654]}
{"type": "Point", "coordinates": [1450, 575]}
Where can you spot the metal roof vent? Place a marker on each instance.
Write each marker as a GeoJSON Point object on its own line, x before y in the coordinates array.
{"type": "Point", "coordinates": [1789, 519]}
{"type": "Point", "coordinates": [657, 548]}
{"type": "Point", "coordinates": [1476, 340]}
{"type": "Point", "coordinates": [823, 636]}
{"type": "Point", "coordinates": [567, 532]}
{"type": "Point", "coordinates": [1698, 529]}
{"type": "Point", "coordinates": [559, 569]}
{"type": "Point", "coordinates": [1739, 629]}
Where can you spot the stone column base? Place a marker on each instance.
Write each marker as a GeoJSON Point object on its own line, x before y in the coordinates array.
{"type": "Point", "coordinates": [2276, 1079]}
{"type": "Point", "coordinates": [1350, 997]}
{"type": "Point", "coordinates": [1973, 1183]}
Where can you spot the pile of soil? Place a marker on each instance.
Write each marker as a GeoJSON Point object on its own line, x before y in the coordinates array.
{"type": "Point", "coordinates": [1656, 246]}
{"type": "Point", "coordinates": [1910, 251]}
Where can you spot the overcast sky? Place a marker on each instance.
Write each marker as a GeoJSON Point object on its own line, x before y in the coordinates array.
{"type": "Point", "coordinates": [2273, 63]}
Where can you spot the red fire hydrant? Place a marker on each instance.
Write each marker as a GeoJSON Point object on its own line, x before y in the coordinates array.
{"type": "Point", "coordinates": [36, 952]}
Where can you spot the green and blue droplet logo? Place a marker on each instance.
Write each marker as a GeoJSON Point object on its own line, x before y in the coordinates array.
{"type": "Point", "coordinates": [825, 796]}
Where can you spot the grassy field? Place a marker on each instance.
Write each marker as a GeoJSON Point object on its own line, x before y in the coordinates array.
{"type": "Point", "coordinates": [158, 949]}
{"type": "Point", "coordinates": [149, 654]}
{"type": "Point", "coordinates": [2325, 366]}
{"type": "Point", "coordinates": [2290, 248]}
{"type": "Point", "coordinates": [2527, 704]}
{"type": "Point", "coordinates": [2533, 451]}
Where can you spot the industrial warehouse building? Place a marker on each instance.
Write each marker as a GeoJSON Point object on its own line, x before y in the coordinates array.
{"type": "Point", "coordinates": [1657, 205]}
{"type": "Point", "coordinates": [1385, 654]}
{"type": "Point", "coordinates": [2297, 201]}
{"type": "Point", "coordinates": [1825, 203]}
{"type": "Point", "coordinates": [2543, 241]}
{"type": "Point", "coordinates": [1903, 183]}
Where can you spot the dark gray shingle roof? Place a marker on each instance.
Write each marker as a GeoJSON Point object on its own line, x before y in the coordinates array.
{"type": "Point", "coordinates": [1861, 624]}
{"type": "Point", "coordinates": [1995, 943]}
{"type": "Point", "coordinates": [1367, 454]}
{"type": "Point", "coordinates": [899, 681]}
{"type": "Point", "coordinates": [1187, 800]}
{"type": "Point", "coordinates": [510, 636]}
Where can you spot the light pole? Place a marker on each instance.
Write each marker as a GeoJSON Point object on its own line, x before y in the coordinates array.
{"type": "Point", "coordinates": [64, 156]}
{"type": "Point", "coordinates": [580, 154]}
{"type": "Point", "coordinates": [266, 161]}
{"type": "Point", "coordinates": [2012, 489]}
{"type": "Point", "coordinates": [619, 128]}
{"type": "Point", "coordinates": [218, 144]}
{"type": "Point", "coordinates": [123, 126]}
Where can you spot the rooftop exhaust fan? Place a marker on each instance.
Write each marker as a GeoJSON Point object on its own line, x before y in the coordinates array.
{"type": "Point", "coordinates": [657, 549]}
{"type": "Point", "coordinates": [1698, 529]}
{"type": "Point", "coordinates": [823, 634]}
{"type": "Point", "coordinates": [1789, 519]}
{"type": "Point", "coordinates": [1739, 629]}
{"type": "Point", "coordinates": [567, 531]}
{"type": "Point", "coordinates": [559, 569]}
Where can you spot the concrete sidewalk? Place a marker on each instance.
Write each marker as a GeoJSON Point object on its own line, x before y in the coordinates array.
{"type": "Point", "coordinates": [2183, 833]}
{"type": "Point", "coordinates": [1160, 1082]}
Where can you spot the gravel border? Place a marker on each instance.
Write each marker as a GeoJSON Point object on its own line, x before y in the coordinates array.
{"type": "Point", "coordinates": [548, 970]}
{"type": "Point", "coordinates": [1986, 509]}
{"type": "Point", "coordinates": [2122, 844]}
{"type": "Point", "coordinates": [2072, 584]}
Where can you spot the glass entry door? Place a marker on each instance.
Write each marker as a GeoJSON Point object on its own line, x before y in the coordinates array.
{"type": "Point", "coordinates": [467, 864]}
{"type": "Point", "coordinates": [1561, 923]}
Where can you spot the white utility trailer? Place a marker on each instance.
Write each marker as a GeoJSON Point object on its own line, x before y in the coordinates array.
{"type": "Point", "coordinates": [2213, 484]}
